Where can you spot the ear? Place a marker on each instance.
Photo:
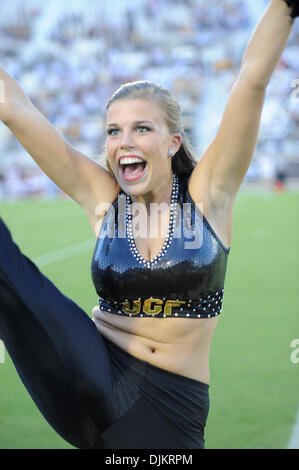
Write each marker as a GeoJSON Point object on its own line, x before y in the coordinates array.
{"type": "Point", "coordinates": [176, 142]}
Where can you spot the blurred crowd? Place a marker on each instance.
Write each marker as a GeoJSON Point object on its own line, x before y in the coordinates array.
{"type": "Point", "coordinates": [70, 64]}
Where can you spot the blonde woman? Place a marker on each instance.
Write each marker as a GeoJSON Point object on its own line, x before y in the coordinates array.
{"type": "Point", "coordinates": [138, 375]}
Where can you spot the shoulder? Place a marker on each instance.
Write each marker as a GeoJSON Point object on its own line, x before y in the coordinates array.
{"type": "Point", "coordinates": [215, 204]}
{"type": "Point", "coordinates": [99, 208]}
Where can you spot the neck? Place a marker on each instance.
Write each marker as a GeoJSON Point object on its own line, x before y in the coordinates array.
{"type": "Point", "coordinates": [163, 194]}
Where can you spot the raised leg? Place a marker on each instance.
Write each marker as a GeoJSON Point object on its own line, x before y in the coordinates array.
{"type": "Point", "coordinates": [56, 349]}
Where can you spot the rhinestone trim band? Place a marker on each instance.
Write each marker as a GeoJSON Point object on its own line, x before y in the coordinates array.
{"type": "Point", "coordinates": [205, 307]}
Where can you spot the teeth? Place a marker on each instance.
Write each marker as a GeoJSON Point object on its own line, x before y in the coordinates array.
{"type": "Point", "coordinates": [130, 160]}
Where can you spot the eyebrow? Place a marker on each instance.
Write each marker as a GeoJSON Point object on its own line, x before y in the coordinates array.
{"type": "Point", "coordinates": [135, 123]}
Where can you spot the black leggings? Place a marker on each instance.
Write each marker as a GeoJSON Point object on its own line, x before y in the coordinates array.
{"type": "Point", "coordinates": [94, 394]}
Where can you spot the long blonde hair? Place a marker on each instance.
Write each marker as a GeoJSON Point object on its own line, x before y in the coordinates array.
{"type": "Point", "coordinates": [185, 159]}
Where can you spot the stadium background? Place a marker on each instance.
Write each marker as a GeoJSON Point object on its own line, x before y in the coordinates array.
{"type": "Point", "coordinates": [70, 57]}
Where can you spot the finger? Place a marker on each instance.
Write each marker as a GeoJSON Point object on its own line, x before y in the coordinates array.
{"type": "Point", "coordinates": [95, 310]}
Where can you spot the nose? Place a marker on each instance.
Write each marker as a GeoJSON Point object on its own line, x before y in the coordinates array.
{"type": "Point", "coordinates": [127, 140]}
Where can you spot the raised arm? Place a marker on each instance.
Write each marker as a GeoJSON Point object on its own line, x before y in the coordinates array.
{"type": "Point", "coordinates": [80, 177]}
{"type": "Point", "coordinates": [225, 163]}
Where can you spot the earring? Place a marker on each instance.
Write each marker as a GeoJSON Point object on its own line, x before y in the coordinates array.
{"type": "Point", "coordinates": [171, 153]}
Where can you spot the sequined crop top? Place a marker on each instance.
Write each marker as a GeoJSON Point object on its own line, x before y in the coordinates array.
{"type": "Point", "coordinates": [186, 278]}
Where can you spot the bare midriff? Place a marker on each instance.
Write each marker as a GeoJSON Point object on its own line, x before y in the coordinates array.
{"type": "Point", "coordinates": [180, 345]}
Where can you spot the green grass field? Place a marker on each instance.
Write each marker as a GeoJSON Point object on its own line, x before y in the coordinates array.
{"type": "Point", "coordinates": [254, 387]}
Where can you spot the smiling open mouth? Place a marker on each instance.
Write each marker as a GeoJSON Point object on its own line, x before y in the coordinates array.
{"type": "Point", "coordinates": [132, 168]}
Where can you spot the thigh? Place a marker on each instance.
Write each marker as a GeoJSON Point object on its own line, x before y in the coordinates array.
{"type": "Point", "coordinates": [141, 427]}
{"type": "Point", "coordinates": [56, 348]}
{"type": "Point", "coordinates": [43, 372]}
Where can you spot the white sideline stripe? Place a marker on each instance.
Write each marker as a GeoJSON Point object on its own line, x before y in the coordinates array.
{"type": "Point", "coordinates": [294, 442]}
{"type": "Point", "coordinates": [63, 253]}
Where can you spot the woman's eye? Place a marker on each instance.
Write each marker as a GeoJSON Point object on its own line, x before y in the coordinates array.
{"type": "Point", "coordinates": [112, 132]}
{"type": "Point", "coordinates": [142, 129]}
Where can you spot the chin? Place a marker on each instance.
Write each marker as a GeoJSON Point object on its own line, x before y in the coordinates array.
{"type": "Point", "coordinates": [136, 188]}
